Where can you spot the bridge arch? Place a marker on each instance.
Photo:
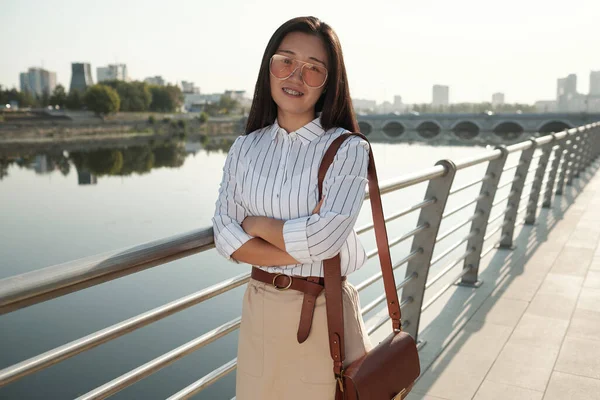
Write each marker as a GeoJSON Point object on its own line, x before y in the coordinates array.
{"type": "Point", "coordinates": [466, 129]}
{"type": "Point", "coordinates": [508, 130]}
{"type": "Point", "coordinates": [429, 129]}
{"type": "Point", "coordinates": [553, 126]}
{"type": "Point", "coordinates": [393, 129]}
{"type": "Point", "coordinates": [365, 128]}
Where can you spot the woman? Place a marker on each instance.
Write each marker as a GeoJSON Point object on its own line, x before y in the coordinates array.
{"type": "Point", "coordinates": [268, 215]}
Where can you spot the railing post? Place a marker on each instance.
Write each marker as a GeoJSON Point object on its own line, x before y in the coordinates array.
{"type": "Point", "coordinates": [424, 242]}
{"type": "Point", "coordinates": [537, 184]}
{"type": "Point", "coordinates": [573, 157]}
{"type": "Point", "coordinates": [566, 157]}
{"type": "Point", "coordinates": [479, 225]}
{"type": "Point", "coordinates": [516, 189]}
{"type": "Point", "coordinates": [583, 142]}
{"type": "Point", "coordinates": [554, 169]}
{"type": "Point", "coordinates": [596, 148]}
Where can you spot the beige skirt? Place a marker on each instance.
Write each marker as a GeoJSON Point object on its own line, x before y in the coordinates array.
{"type": "Point", "coordinates": [271, 362]}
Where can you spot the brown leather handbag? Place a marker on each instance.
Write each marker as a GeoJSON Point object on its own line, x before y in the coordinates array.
{"type": "Point", "coordinates": [390, 369]}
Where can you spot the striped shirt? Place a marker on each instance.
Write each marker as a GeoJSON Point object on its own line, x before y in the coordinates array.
{"type": "Point", "coordinates": [273, 173]}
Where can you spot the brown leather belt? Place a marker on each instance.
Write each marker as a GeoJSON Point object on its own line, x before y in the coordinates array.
{"type": "Point", "coordinates": [311, 286]}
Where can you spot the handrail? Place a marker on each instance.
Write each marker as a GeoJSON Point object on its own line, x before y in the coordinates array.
{"type": "Point", "coordinates": [578, 148]}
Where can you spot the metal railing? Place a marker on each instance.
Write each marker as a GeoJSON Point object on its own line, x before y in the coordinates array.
{"type": "Point", "coordinates": [562, 157]}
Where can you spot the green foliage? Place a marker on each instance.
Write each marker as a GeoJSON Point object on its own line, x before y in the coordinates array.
{"type": "Point", "coordinates": [135, 96]}
{"type": "Point", "coordinates": [74, 100]}
{"type": "Point", "coordinates": [166, 98]}
{"type": "Point", "coordinates": [225, 106]}
{"type": "Point", "coordinates": [151, 120]}
{"type": "Point", "coordinates": [203, 117]}
{"type": "Point", "coordinates": [104, 162]}
{"type": "Point", "coordinates": [102, 99]}
{"type": "Point", "coordinates": [59, 97]}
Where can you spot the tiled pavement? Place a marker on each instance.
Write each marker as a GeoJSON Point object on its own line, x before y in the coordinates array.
{"type": "Point", "coordinates": [532, 330]}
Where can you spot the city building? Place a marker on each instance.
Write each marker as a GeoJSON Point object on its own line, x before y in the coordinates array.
{"type": "Point", "coordinates": [195, 102]}
{"type": "Point", "coordinates": [497, 99]}
{"type": "Point", "coordinates": [362, 105]}
{"type": "Point", "coordinates": [112, 72]}
{"type": "Point", "coordinates": [155, 80]}
{"type": "Point", "coordinates": [441, 96]}
{"type": "Point", "coordinates": [188, 87]}
{"type": "Point", "coordinates": [37, 81]}
{"type": "Point", "coordinates": [595, 83]}
{"type": "Point", "coordinates": [236, 94]}
{"type": "Point", "coordinates": [81, 77]}
{"type": "Point", "coordinates": [566, 90]}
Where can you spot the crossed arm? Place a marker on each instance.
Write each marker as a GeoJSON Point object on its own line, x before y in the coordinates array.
{"type": "Point", "coordinates": [267, 248]}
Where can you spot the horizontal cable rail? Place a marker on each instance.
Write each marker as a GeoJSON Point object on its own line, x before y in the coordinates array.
{"type": "Point", "coordinates": [444, 289]}
{"type": "Point", "coordinates": [450, 266]}
{"type": "Point", "coordinates": [419, 206]}
{"type": "Point", "coordinates": [205, 381]}
{"type": "Point", "coordinates": [481, 196]}
{"type": "Point", "coordinates": [449, 232]}
{"type": "Point", "coordinates": [497, 217]}
{"type": "Point", "coordinates": [160, 362]}
{"type": "Point", "coordinates": [378, 300]}
{"type": "Point", "coordinates": [454, 247]}
{"type": "Point", "coordinates": [506, 184]}
{"type": "Point", "coordinates": [468, 185]}
{"type": "Point", "coordinates": [92, 340]}
{"type": "Point", "coordinates": [512, 167]}
{"type": "Point", "coordinates": [374, 278]}
{"type": "Point", "coordinates": [386, 318]}
{"type": "Point", "coordinates": [400, 239]}
{"type": "Point", "coordinates": [491, 233]}
{"type": "Point", "coordinates": [503, 199]}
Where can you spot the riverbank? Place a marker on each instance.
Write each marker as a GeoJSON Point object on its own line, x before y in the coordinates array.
{"type": "Point", "coordinates": [63, 125]}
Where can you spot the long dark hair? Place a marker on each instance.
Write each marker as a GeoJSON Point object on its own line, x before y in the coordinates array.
{"type": "Point", "coordinates": [335, 102]}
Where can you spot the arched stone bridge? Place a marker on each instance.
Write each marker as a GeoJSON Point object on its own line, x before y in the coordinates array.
{"type": "Point", "coordinates": [468, 128]}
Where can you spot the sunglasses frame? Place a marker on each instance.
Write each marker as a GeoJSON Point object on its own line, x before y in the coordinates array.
{"type": "Point", "coordinates": [295, 69]}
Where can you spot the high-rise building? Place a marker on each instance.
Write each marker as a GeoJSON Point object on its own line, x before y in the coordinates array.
{"type": "Point", "coordinates": [112, 72]}
{"type": "Point", "coordinates": [441, 96]}
{"type": "Point", "coordinates": [155, 80]}
{"type": "Point", "coordinates": [566, 90]}
{"type": "Point", "coordinates": [595, 83]}
{"type": "Point", "coordinates": [497, 99]}
{"type": "Point", "coordinates": [37, 81]}
{"type": "Point", "coordinates": [81, 76]}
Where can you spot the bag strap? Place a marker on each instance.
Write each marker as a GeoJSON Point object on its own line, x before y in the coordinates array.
{"type": "Point", "coordinates": [332, 268]}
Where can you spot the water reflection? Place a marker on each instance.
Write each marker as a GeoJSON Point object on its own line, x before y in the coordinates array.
{"type": "Point", "coordinates": [94, 161]}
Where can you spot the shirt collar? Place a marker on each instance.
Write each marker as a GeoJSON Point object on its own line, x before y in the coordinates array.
{"type": "Point", "coordinates": [306, 134]}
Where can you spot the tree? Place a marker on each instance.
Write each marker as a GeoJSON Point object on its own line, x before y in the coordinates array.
{"type": "Point", "coordinates": [102, 99]}
{"type": "Point", "coordinates": [135, 96]}
{"type": "Point", "coordinates": [166, 98]}
{"type": "Point", "coordinates": [59, 96]}
{"type": "Point", "coordinates": [74, 100]}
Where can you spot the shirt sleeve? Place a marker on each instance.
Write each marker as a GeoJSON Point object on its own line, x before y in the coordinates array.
{"type": "Point", "coordinates": [320, 236]}
{"type": "Point", "coordinates": [229, 211]}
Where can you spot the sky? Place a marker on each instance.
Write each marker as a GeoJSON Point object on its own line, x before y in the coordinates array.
{"type": "Point", "coordinates": [518, 47]}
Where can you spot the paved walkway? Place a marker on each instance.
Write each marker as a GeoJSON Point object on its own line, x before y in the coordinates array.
{"type": "Point", "coordinates": [532, 330]}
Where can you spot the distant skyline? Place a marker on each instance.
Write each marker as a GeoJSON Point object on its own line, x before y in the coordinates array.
{"type": "Point", "coordinates": [395, 47]}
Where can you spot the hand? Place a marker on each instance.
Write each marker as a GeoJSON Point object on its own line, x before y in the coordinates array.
{"type": "Point", "coordinates": [318, 207]}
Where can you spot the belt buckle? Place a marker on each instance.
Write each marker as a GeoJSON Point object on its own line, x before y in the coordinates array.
{"type": "Point", "coordinates": [281, 288]}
